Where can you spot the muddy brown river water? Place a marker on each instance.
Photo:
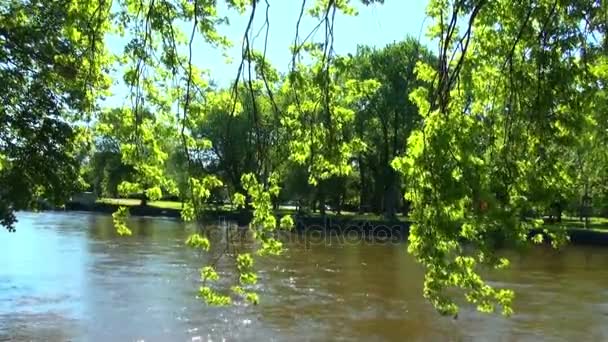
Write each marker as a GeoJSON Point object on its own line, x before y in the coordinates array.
{"type": "Point", "coordinates": [68, 277]}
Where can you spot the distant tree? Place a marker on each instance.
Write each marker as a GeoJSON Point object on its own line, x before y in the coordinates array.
{"type": "Point", "coordinates": [48, 80]}
{"type": "Point", "coordinates": [384, 121]}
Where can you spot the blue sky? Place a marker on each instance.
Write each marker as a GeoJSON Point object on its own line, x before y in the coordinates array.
{"type": "Point", "coordinates": [376, 25]}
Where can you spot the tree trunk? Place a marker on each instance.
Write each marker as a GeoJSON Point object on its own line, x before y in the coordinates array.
{"type": "Point", "coordinates": [363, 190]}
{"type": "Point", "coordinates": [405, 207]}
{"type": "Point", "coordinates": [321, 199]}
{"type": "Point", "coordinates": [340, 201]}
{"type": "Point", "coordinates": [390, 194]}
{"type": "Point", "coordinates": [322, 205]}
{"type": "Point", "coordinates": [585, 207]}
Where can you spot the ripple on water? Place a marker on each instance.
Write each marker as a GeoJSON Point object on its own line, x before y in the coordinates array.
{"type": "Point", "coordinates": [73, 279]}
{"type": "Point", "coordinates": [42, 326]}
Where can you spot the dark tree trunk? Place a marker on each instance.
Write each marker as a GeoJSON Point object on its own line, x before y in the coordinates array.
{"type": "Point", "coordinates": [405, 208]}
{"type": "Point", "coordinates": [321, 202]}
{"type": "Point", "coordinates": [390, 194]}
{"type": "Point", "coordinates": [363, 191]}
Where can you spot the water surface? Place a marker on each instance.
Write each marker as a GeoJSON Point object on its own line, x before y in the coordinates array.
{"type": "Point", "coordinates": [68, 277]}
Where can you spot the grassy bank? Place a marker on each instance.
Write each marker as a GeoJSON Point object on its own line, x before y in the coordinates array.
{"type": "Point", "coordinates": [283, 210]}
{"type": "Point", "coordinates": [595, 234]}
{"type": "Point", "coordinates": [598, 224]}
{"type": "Point", "coordinates": [128, 202]}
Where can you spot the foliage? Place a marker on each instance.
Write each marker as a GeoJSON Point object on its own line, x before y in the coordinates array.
{"type": "Point", "coordinates": [504, 104]}
{"type": "Point", "coordinates": [385, 119]}
{"type": "Point", "coordinates": [50, 75]}
{"type": "Point", "coordinates": [319, 135]}
{"type": "Point", "coordinates": [198, 241]}
{"type": "Point", "coordinates": [507, 120]}
{"type": "Point", "coordinates": [119, 218]}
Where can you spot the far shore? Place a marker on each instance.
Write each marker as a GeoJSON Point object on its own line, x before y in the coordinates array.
{"type": "Point", "coordinates": [596, 234]}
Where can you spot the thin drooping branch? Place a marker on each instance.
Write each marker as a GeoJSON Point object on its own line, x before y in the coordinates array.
{"type": "Point", "coordinates": [254, 108]}
{"type": "Point", "coordinates": [328, 50]}
{"type": "Point", "coordinates": [187, 101]}
{"type": "Point", "coordinates": [264, 63]}
{"type": "Point", "coordinates": [467, 39]}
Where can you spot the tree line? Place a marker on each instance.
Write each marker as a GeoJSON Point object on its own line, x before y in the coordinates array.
{"type": "Point", "coordinates": [382, 121]}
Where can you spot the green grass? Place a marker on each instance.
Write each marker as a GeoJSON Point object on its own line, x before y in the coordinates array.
{"type": "Point", "coordinates": [348, 215]}
{"type": "Point", "coordinates": [128, 202]}
{"type": "Point", "coordinates": [595, 223]}
{"type": "Point", "coordinates": [174, 205]}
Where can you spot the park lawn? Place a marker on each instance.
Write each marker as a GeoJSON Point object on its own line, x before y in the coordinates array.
{"type": "Point", "coordinates": [595, 223]}
{"type": "Point", "coordinates": [172, 205]}
{"type": "Point", "coordinates": [347, 215]}
{"type": "Point", "coordinates": [362, 217]}
{"type": "Point", "coordinates": [175, 205]}
{"type": "Point", "coordinates": [129, 202]}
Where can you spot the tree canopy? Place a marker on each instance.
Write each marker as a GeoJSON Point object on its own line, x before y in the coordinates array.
{"type": "Point", "coordinates": [507, 118]}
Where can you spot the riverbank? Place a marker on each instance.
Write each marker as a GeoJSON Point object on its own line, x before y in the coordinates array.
{"type": "Point", "coordinates": [159, 210]}
{"type": "Point", "coordinates": [347, 223]}
{"type": "Point", "coordinates": [353, 224]}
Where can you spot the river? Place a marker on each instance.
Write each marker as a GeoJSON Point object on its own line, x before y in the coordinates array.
{"type": "Point", "coordinates": [69, 277]}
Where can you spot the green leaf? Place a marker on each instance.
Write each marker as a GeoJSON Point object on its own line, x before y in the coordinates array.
{"type": "Point", "coordinates": [287, 222]}
{"type": "Point", "coordinates": [119, 217]}
{"type": "Point", "coordinates": [209, 273]}
{"type": "Point", "coordinates": [198, 241]}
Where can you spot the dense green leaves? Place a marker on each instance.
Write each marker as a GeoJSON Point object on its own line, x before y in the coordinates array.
{"type": "Point", "coordinates": [507, 122]}
{"type": "Point", "coordinates": [198, 241]}
{"type": "Point", "coordinates": [504, 106]}
{"type": "Point", "coordinates": [51, 63]}
{"type": "Point", "coordinates": [385, 119]}
{"type": "Point", "coordinates": [119, 218]}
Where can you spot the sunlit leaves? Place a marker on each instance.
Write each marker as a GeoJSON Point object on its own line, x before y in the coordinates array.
{"type": "Point", "coordinates": [244, 263]}
{"type": "Point", "coordinates": [154, 193]}
{"type": "Point", "coordinates": [487, 152]}
{"type": "Point", "coordinates": [238, 200]}
{"type": "Point", "coordinates": [127, 188]}
{"type": "Point", "coordinates": [188, 213]}
{"type": "Point", "coordinates": [247, 278]}
{"type": "Point", "coordinates": [271, 246]}
{"type": "Point", "coordinates": [209, 273]}
{"type": "Point", "coordinates": [212, 297]}
{"type": "Point", "coordinates": [3, 162]}
{"type": "Point", "coordinates": [264, 222]}
{"type": "Point", "coordinates": [239, 5]}
{"type": "Point", "coordinates": [119, 218]}
{"type": "Point", "coordinates": [505, 131]}
{"type": "Point", "coordinates": [321, 7]}
{"type": "Point", "coordinates": [198, 241]}
{"type": "Point", "coordinates": [252, 298]}
{"type": "Point", "coordinates": [538, 238]}
{"type": "Point", "coordinates": [419, 96]}
{"type": "Point", "coordinates": [286, 222]}
{"type": "Point", "coordinates": [201, 188]}
{"type": "Point", "coordinates": [325, 146]}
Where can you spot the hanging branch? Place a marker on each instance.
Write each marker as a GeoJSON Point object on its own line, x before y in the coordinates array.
{"type": "Point", "coordinates": [141, 54]}
{"type": "Point", "coordinates": [187, 108]}
{"type": "Point", "coordinates": [328, 51]}
{"type": "Point", "coordinates": [262, 69]}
